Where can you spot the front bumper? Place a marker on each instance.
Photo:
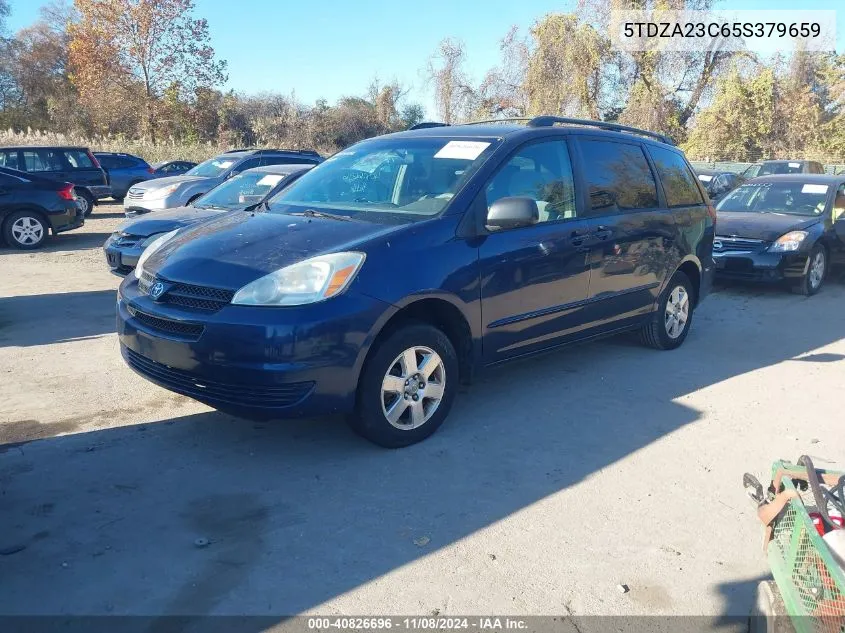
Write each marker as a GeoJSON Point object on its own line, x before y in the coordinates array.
{"type": "Point", "coordinates": [122, 258]}
{"type": "Point", "coordinates": [760, 266]}
{"type": "Point", "coordinates": [134, 207]}
{"type": "Point", "coordinates": [72, 218]}
{"type": "Point", "coordinates": [251, 361]}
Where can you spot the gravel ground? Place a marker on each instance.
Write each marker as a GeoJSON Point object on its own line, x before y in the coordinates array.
{"type": "Point", "coordinates": [554, 480]}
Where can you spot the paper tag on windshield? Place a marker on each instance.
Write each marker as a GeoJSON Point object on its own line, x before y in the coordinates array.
{"type": "Point", "coordinates": [705, 178]}
{"type": "Point", "coordinates": [814, 189]}
{"type": "Point", "coordinates": [466, 150]}
{"type": "Point", "coordinates": [795, 165]}
{"type": "Point", "coordinates": [271, 180]}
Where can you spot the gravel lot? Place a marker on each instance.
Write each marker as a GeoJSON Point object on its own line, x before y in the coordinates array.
{"type": "Point", "coordinates": [554, 480]}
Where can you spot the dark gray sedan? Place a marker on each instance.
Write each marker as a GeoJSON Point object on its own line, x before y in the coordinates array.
{"type": "Point", "coordinates": [249, 188]}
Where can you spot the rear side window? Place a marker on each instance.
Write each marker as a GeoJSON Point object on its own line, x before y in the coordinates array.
{"type": "Point", "coordinates": [677, 179]}
{"type": "Point", "coordinates": [124, 162]}
{"type": "Point", "coordinates": [9, 158]}
{"type": "Point", "coordinates": [618, 177]}
{"type": "Point", "coordinates": [42, 160]}
{"type": "Point", "coordinates": [108, 162]}
{"type": "Point", "coordinates": [78, 159]}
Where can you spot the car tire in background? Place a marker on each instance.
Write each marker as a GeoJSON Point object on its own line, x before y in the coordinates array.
{"type": "Point", "coordinates": [25, 230]}
{"type": "Point", "coordinates": [412, 373]}
{"type": "Point", "coordinates": [86, 201]}
{"type": "Point", "coordinates": [668, 326]}
{"type": "Point", "coordinates": [815, 274]}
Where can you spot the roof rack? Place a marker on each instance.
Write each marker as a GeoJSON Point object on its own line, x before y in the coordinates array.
{"type": "Point", "coordinates": [263, 150]}
{"type": "Point", "coordinates": [427, 124]}
{"type": "Point", "coordinates": [511, 119]}
{"type": "Point", "coordinates": [548, 121]}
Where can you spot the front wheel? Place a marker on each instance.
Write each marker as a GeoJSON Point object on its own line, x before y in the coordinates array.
{"type": "Point", "coordinates": [813, 279]}
{"type": "Point", "coordinates": [668, 326]}
{"type": "Point", "coordinates": [407, 387]}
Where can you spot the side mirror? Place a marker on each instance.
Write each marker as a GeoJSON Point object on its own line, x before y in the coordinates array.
{"type": "Point", "coordinates": [512, 213]}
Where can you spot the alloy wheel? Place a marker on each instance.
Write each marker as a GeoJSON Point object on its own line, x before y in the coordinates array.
{"type": "Point", "coordinates": [413, 388]}
{"type": "Point", "coordinates": [677, 312]}
{"type": "Point", "coordinates": [83, 202]}
{"type": "Point", "coordinates": [817, 269]}
{"type": "Point", "coordinates": [27, 231]}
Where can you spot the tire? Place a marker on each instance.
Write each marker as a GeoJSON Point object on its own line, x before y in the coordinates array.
{"type": "Point", "coordinates": [388, 366]}
{"type": "Point", "coordinates": [813, 279]}
{"type": "Point", "coordinates": [657, 332]}
{"type": "Point", "coordinates": [768, 613]}
{"type": "Point", "coordinates": [25, 230]}
{"type": "Point", "coordinates": [86, 200]}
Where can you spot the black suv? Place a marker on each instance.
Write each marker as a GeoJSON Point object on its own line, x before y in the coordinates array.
{"type": "Point", "coordinates": [383, 278]}
{"type": "Point", "coordinates": [62, 164]}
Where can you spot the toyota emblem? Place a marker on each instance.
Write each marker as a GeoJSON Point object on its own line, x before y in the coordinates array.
{"type": "Point", "coordinates": [156, 290]}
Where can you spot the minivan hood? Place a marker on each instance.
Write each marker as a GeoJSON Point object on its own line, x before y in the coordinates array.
{"type": "Point", "coordinates": [157, 183]}
{"type": "Point", "coordinates": [760, 226]}
{"type": "Point", "coordinates": [164, 221]}
{"type": "Point", "coordinates": [238, 247]}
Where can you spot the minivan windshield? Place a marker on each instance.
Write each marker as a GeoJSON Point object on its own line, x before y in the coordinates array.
{"type": "Point", "coordinates": [408, 178]}
{"type": "Point", "coordinates": [211, 168]}
{"type": "Point", "coordinates": [240, 191]}
{"type": "Point", "coordinates": [794, 198]}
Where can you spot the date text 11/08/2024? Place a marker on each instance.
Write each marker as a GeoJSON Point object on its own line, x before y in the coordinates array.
{"type": "Point", "coordinates": [430, 623]}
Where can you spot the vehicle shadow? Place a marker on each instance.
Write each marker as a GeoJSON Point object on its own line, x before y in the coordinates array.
{"type": "Point", "coordinates": [42, 319]}
{"type": "Point", "coordinates": [99, 215]}
{"type": "Point", "coordinates": [63, 242]}
{"type": "Point", "coordinates": [207, 514]}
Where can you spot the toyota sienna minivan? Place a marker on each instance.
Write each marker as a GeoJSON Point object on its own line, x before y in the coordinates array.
{"type": "Point", "coordinates": [388, 275]}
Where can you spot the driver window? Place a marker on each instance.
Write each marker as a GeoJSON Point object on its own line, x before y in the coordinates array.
{"type": "Point", "coordinates": [542, 172]}
{"type": "Point", "coordinates": [839, 204]}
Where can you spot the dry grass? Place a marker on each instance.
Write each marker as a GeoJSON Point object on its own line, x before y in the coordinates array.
{"type": "Point", "coordinates": [163, 150]}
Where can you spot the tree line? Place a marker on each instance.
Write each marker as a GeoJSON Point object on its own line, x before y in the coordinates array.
{"type": "Point", "coordinates": [145, 69]}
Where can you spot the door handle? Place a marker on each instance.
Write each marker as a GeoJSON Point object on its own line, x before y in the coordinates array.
{"type": "Point", "coordinates": [576, 238]}
{"type": "Point", "coordinates": [603, 232]}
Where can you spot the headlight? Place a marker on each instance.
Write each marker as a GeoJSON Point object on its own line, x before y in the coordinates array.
{"type": "Point", "coordinates": [149, 240]}
{"type": "Point", "coordinates": [162, 192]}
{"type": "Point", "coordinates": [308, 281]}
{"type": "Point", "coordinates": [156, 244]}
{"type": "Point", "coordinates": [790, 242]}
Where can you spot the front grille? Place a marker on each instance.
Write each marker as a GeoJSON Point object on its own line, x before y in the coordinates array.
{"type": "Point", "coordinates": [199, 297]}
{"type": "Point", "coordinates": [128, 241]}
{"type": "Point", "coordinates": [188, 331]}
{"type": "Point", "coordinates": [135, 194]}
{"type": "Point", "coordinates": [737, 244]}
{"type": "Point", "coordinates": [188, 295]}
{"type": "Point", "coordinates": [241, 394]}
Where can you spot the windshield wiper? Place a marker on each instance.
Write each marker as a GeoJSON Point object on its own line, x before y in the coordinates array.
{"type": "Point", "coordinates": [313, 213]}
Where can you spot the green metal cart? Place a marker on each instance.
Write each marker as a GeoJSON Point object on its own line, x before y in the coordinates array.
{"type": "Point", "coordinates": [809, 583]}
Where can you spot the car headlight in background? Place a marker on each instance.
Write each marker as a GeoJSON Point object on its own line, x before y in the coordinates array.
{"type": "Point", "coordinates": [790, 242]}
{"type": "Point", "coordinates": [156, 244]}
{"type": "Point", "coordinates": [308, 281]}
{"type": "Point", "coordinates": [161, 192]}
{"type": "Point", "coordinates": [149, 240]}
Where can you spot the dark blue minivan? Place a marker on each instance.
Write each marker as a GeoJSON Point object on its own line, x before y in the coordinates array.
{"type": "Point", "coordinates": [385, 277]}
